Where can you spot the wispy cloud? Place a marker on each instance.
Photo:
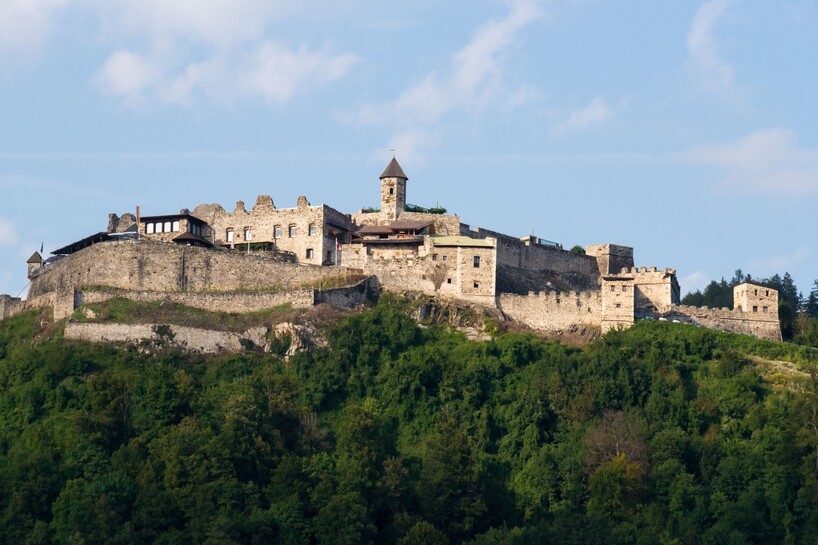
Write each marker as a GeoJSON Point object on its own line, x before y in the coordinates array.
{"type": "Point", "coordinates": [25, 25]}
{"type": "Point", "coordinates": [594, 113]}
{"type": "Point", "coordinates": [270, 71]}
{"type": "Point", "coordinates": [8, 233]}
{"type": "Point", "coordinates": [710, 70]}
{"type": "Point", "coordinates": [694, 281]}
{"type": "Point", "coordinates": [768, 161]}
{"type": "Point", "coordinates": [779, 263]}
{"type": "Point", "coordinates": [472, 81]}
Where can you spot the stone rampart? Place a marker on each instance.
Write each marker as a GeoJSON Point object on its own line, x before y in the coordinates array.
{"type": "Point", "coordinates": [364, 292]}
{"type": "Point", "coordinates": [9, 306]}
{"type": "Point", "coordinates": [735, 321]}
{"type": "Point", "coordinates": [237, 302]}
{"type": "Point", "coordinates": [551, 311]}
{"type": "Point", "coordinates": [513, 252]}
{"type": "Point", "coordinates": [158, 266]}
{"type": "Point", "coordinates": [191, 339]}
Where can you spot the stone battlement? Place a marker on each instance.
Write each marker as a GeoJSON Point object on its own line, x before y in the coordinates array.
{"type": "Point", "coordinates": [248, 259]}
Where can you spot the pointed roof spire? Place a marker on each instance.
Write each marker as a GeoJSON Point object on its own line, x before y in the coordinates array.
{"type": "Point", "coordinates": [35, 258]}
{"type": "Point", "coordinates": [393, 170]}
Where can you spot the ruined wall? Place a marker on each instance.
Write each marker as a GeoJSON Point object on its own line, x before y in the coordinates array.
{"type": "Point", "coordinates": [9, 306]}
{"type": "Point", "coordinates": [553, 311]}
{"type": "Point", "coordinates": [191, 339]}
{"type": "Point", "coordinates": [611, 258]}
{"type": "Point", "coordinates": [237, 302]}
{"type": "Point", "coordinates": [264, 222]}
{"type": "Point", "coordinates": [735, 321]}
{"type": "Point", "coordinates": [160, 266]}
{"type": "Point", "coordinates": [579, 270]}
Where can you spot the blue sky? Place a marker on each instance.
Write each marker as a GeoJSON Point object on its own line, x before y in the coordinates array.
{"type": "Point", "coordinates": [685, 129]}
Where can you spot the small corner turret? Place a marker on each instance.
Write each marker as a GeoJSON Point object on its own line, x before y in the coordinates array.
{"type": "Point", "coordinates": [35, 263]}
{"type": "Point", "coordinates": [393, 190]}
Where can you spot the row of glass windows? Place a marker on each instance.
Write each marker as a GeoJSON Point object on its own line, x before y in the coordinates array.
{"type": "Point", "coordinates": [292, 231]}
{"type": "Point", "coordinates": [162, 227]}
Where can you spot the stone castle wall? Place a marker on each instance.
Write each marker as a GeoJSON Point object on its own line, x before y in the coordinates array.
{"type": "Point", "coordinates": [513, 252]}
{"type": "Point", "coordinates": [553, 311]}
{"type": "Point", "coordinates": [735, 321]}
{"type": "Point", "coordinates": [264, 219]}
{"type": "Point", "coordinates": [9, 306]}
{"type": "Point", "coordinates": [656, 290]}
{"type": "Point", "coordinates": [159, 266]}
{"type": "Point", "coordinates": [203, 341]}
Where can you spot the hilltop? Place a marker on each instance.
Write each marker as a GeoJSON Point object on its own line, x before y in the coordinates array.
{"type": "Point", "coordinates": [400, 432]}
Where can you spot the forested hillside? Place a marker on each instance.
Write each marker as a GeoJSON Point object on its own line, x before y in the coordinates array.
{"type": "Point", "coordinates": [395, 433]}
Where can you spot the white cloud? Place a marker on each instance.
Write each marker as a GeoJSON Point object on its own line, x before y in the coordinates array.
{"type": "Point", "coordinates": [594, 113]}
{"type": "Point", "coordinates": [712, 72]}
{"type": "Point", "coordinates": [767, 161]}
{"type": "Point", "coordinates": [128, 75]}
{"type": "Point", "coordinates": [696, 280]}
{"type": "Point", "coordinates": [269, 71]}
{"type": "Point", "coordinates": [8, 233]}
{"type": "Point", "coordinates": [25, 24]}
{"type": "Point", "coordinates": [473, 80]}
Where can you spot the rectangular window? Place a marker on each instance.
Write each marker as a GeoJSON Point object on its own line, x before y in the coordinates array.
{"type": "Point", "coordinates": [277, 231]}
{"type": "Point", "coordinates": [445, 258]}
{"type": "Point", "coordinates": [764, 310]}
{"type": "Point", "coordinates": [448, 280]}
{"type": "Point", "coordinates": [168, 227]}
{"type": "Point", "coordinates": [613, 288]}
{"type": "Point", "coordinates": [159, 227]}
{"type": "Point", "coordinates": [755, 308]}
{"type": "Point", "coordinates": [149, 228]}
{"type": "Point", "coordinates": [293, 231]}
{"type": "Point", "coordinates": [624, 289]}
{"type": "Point", "coordinates": [309, 253]}
{"type": "Point", "coordinates": [176, 226]}
{"type": "Point", "coordinates": [768, 293]}
{"type": "Point", "coordinates": [618, 305]}
{"type": "Point", "coordinates": [476, 285]}
{"type": "Point", "coordinates": [248, 234]}
{"type": "Point", "coordinates": [755, 292]}
{"type": "Point", "coordinates": [434, 257]}
{"type": "Point", "coordinates": [313, 230]}
{"type": "Point", "coordinates": [229, 236]}
{"type": "Point", "coordinates": [477, 261]}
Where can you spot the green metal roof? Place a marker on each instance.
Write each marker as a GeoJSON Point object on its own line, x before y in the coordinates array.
{"type": "Point", "coordinates": [461, 241]}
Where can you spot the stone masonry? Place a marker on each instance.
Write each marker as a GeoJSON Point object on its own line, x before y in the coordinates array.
{"type": "Point", "coordinates": [244, 260]}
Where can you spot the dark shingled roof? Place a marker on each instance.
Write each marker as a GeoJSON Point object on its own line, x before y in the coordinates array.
{"type": "Point", "coordinates": [84, 243]}
{"type": "Point", "coordinates": [409, 225]}
{"type": "Point", "coordinates": [393, 170]}
{"type": "Point", "coordinates": [193, 239]}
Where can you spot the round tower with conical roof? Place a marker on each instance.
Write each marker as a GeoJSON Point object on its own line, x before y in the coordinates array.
{"type": "Point", "coordinates": [393, 190]}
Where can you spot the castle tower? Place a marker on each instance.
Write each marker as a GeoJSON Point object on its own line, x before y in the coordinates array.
{"type": "Point", "coordinates": [393, 190]}
{"type": "Point", "coordinates": [35, 263]}
{"type": "Point", "coordinates": [753, 298]}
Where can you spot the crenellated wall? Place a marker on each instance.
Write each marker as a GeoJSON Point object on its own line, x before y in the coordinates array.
{"type": "Point", "coordinates": [552, 311]}
{"type": "Point", "coordinates": [724, 319]}
{"type": "Point", "coordinates": [655, 289]}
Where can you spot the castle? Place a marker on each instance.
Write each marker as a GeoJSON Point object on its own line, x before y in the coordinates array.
{"type": "Point", "coordinates": [252, 259]}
